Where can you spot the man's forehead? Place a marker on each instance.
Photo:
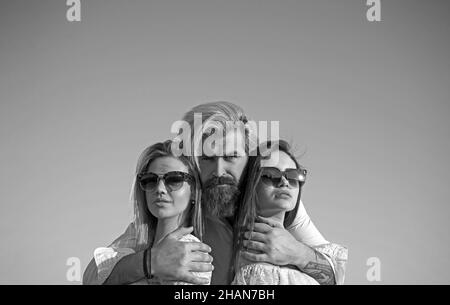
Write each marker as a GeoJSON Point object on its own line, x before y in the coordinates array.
{"type": "Point", "coordinates": [231, 143]}
{"type": "Point", "coordinates": [235, 140]}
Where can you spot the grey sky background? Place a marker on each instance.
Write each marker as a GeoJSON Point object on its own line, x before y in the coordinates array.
{"type": "Point", "coordinates": [367, 104]}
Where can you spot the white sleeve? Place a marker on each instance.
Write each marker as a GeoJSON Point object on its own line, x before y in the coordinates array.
{"type": "Point", "coordinates": [304, 230]}
{"type": "Point", "coordinates": [106, 258]}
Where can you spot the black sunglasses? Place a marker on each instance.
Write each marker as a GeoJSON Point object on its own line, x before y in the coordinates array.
{"type": "Point", "coordinates": [173, 181]}
{"type": "Point", "coordinates": [272, 176]}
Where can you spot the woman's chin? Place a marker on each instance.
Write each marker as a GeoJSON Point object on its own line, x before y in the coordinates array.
{"type": "Point", "coordinates": [281, 208]}
{"type": "Point", "coordinates": [162, 213]}
{"type": "Point", "coordinates": [284, 203]}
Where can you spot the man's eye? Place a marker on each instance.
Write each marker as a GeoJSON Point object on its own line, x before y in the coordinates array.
{"type": "Point", "coordinates": [230, 158]}
{"type": "Point", "coordinates": [206, 158]}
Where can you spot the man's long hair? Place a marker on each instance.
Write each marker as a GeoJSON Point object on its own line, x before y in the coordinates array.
{"type": "Point", "coordinates": [214, 114]}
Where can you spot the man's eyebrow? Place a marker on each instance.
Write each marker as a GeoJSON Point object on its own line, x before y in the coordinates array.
{"type": "Point", "coordinates": [234, 153]}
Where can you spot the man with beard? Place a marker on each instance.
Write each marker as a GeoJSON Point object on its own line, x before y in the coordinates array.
{"type": "Point", "coordinates": [223, 176]}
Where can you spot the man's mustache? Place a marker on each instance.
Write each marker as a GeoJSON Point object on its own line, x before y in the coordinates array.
{"type": "Point", "coordinates": [214, 181]}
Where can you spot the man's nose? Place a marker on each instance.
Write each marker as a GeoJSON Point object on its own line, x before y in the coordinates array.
{"type": "Point", "coordinates": [220, 167]}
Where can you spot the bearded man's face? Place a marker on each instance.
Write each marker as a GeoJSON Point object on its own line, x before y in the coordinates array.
{"type": "Point", "coordinates": [221, 176]}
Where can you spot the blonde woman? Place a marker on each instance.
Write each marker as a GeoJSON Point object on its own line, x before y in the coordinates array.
{"type": "Point", "coordinates": [166, 197]}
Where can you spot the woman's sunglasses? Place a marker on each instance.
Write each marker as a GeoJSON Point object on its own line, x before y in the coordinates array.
{"type": "Point", "coordinates": [173, 181]}
{"type": "Point", "coordinates": [272, 176]}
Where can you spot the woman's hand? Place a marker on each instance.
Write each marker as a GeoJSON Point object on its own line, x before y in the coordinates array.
{"type": "Point", "coordinates": [172, 259]}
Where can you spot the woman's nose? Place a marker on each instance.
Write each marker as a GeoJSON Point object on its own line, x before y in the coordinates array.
{"type": "Point", "coordinates": [161, 187]}
{"type": "Point", "coordinates": [283, 182]}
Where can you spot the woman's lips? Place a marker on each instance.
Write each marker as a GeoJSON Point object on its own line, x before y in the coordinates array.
{"type": "Point", "coordinates": [283, 194]}
{"type": "Point", "coordinates": [160, 202]}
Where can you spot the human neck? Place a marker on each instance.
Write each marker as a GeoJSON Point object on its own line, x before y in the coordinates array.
{"type": "Point", "coordinates": [276, 216]}
{"type": "Point", "coordinates": [165, 226]}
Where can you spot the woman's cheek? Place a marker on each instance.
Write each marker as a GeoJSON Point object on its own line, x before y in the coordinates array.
{"type": "Point", "coordinates": [148, 198]}
{"type": "Point", "coordinates": [184, 196]}
{"type": "Point", "coordinates": [294, 198]}
{"type": "Point", "coordinates": [263, 198]}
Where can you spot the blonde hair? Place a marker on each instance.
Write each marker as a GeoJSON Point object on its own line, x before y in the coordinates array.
{"type": "Point", "coordinates": [144, 222]}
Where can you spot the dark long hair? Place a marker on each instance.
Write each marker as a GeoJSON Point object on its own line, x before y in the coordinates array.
{"type": "Point", "coordinates": [247, 211]}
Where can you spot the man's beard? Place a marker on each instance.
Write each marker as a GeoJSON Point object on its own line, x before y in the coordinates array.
{"type": "Point", "coordinates": [220, 196]}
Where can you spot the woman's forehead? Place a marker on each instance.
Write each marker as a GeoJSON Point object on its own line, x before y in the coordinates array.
{"type": "Point", "coordinates": [163, 165]}
{"type": "Point", "coordinates": [278, 159]}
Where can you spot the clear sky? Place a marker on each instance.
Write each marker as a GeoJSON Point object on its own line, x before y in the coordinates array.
{"type": "Point", "coordinates": [366, 103]}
